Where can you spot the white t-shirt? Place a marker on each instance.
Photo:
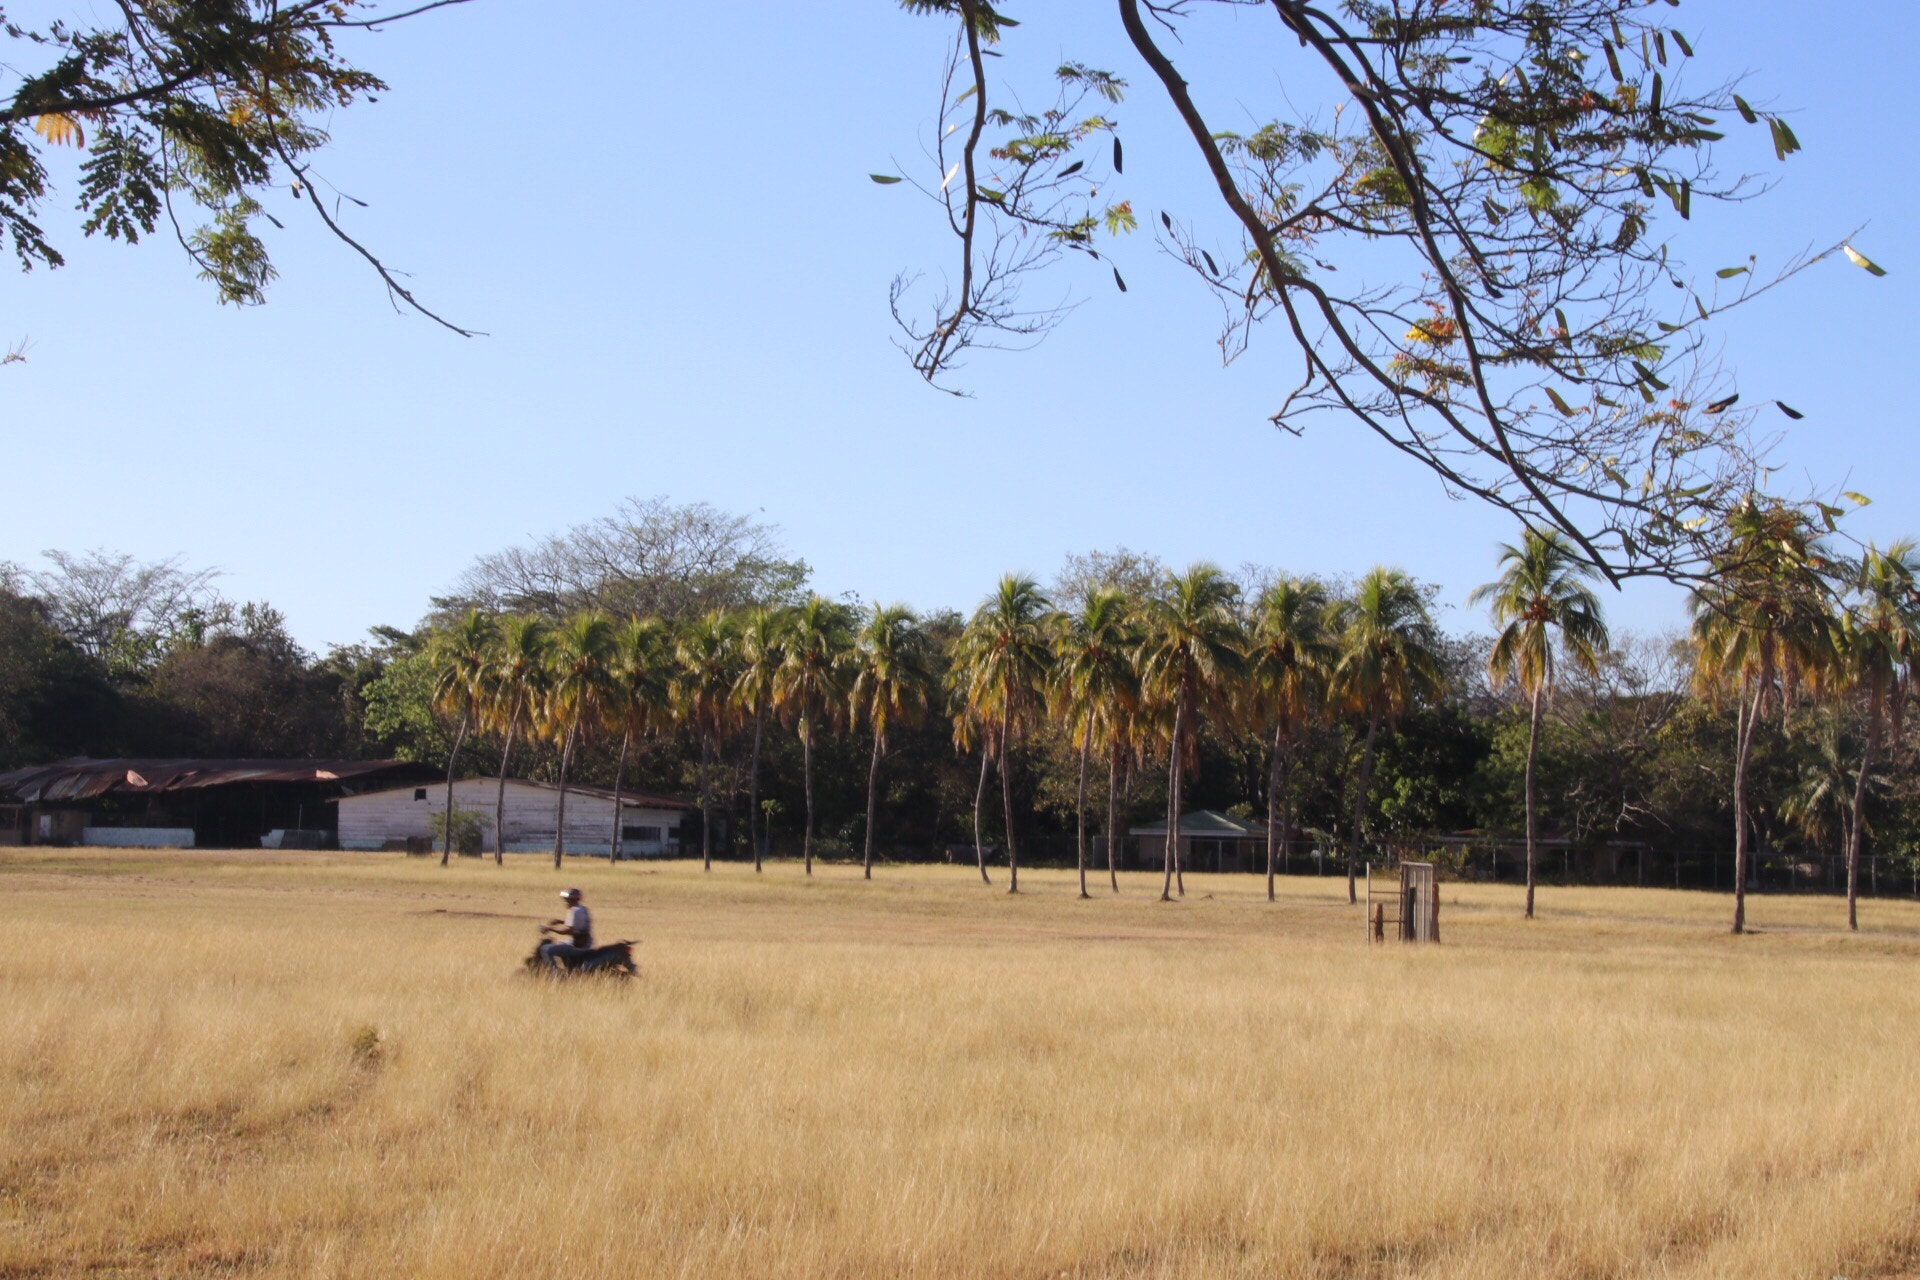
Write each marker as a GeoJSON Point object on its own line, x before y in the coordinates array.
{"type": "Point", "coordinates": [580, 925]}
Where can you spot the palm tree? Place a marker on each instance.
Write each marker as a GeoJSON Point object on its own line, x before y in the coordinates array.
{"type": "Point", "coordinates": [1001, 667]}
{"type": "Point", "coordinates": [639, 701]}
{"type": "Point", "coordinates": [811, 683]}
{"type": "Point", "coordinates": [460, 658]}
{"type": "Point", "coordinates": [1193, 659]}
{"type": "Point", "coordinates": [1095, 683]}
{"type": "Point", "coordinates": [1541, 591]}
{"type": "Point", "coordinates": [1289, 661]}
{"type": "Point", "coordinates": [578, 688]}
{"type": "Point", "coordinates": [891, 682]}
{"type": "Point", "coordinates": [1762, 624]}
{"type": "Point", "coordinates": [1883, 642]}
{"type": "Point", "coordinates": [516, 682]}
{"type": "Point", "coordinates": [703, 698]}
{"type": "Point", "coordinates": [1389, 658]}
{"type": "Point", "coordinates": [761, 638]}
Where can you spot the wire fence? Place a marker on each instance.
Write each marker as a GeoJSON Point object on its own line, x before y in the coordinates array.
{"type": "Point", "coordinates": [1881, 875]}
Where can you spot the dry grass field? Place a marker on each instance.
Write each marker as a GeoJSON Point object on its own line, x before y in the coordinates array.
{"type": "Point", "coordinates": [324, 1065]}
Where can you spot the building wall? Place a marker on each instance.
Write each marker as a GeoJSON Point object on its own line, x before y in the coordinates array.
{"type": "Point", "coordinates": [138, 837]}
{"type": "Point", "coordinates": [371, 821]}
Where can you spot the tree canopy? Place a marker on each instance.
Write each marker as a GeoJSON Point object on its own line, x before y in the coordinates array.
{"type": "Point", "coordinates": [1469, 255]}
{"type": "Point", "coordinates": [207, 114]}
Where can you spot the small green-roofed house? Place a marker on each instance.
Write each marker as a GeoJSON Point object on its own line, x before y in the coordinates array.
{"type": "Point", "coordinates": [1209, 841]}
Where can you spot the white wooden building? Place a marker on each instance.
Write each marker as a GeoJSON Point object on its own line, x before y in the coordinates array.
{"type": "Point", "coordinates": [651, 825]}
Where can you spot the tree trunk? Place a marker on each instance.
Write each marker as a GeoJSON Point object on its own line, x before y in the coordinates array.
{"type": "Point", "coordinates": [1180, 851]}
{"type": "Point", "coordinates": [619, 776]}
{"type": "Point", "coordinates": [1171, 854]}
{"type": "Point", "coordinates": [806, 763]}
{"type": "Point", "coordinates": [706, 803]}
{"type": "Point", "coordinates": [1006, 805]}
{"type": "Point", "coordinates": [1273, 804]}
{"type": "Point", "coordinates": [1113, 815]}
{"type": "Point", "coordinates": [1744, 723]}
{"type": "Point", "coordinates": [446, 844]}
{"type": "Point", "coordinates": [1533, 742]}
{"type": "Point", "coordinates": [560, 812]}
{"type": "Point", "coordinates": [1857, 821]}
{"type": "Point", "coordinates": [873, 789]}
{"type": "Point", "coordinates": [1360, 802]}
{"type": "Point", "coordinates": [979, 803]}
{"type": "Point", "coordinates": [756, 834]}
{"type": "Point", "coordinates": [500, 796]}
{"type": "Point", "coordinates": [1086, 748]}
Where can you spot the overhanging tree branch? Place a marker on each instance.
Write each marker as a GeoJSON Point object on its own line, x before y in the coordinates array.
{"type": "Point", "coordinates": [1511, 153]}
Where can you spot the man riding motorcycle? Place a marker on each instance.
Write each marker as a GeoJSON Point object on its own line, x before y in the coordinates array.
{"type": "Point", "coordinates": [576, 927]}
{"type": "Point", "coordinates": [578, 955]}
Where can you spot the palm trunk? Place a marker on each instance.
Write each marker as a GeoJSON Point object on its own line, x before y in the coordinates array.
{"type": "Point", "coordinates": [500, 796]}
{"type": "Point", "coordinates": [1533, 742]}
{"type": "Point", "coordinates": [979, 803]}
{"type": "Point", "coordinates": [1744, 723]}
{"type": "Point", "coordinates": [706, 803]}
{"type": "Point", "coordinates": [1364, 784]}
{"type": "Point", "coordinates": [1171, 854]}
{"type": "Point", "coordinates": [1006, 805]}
{"type": "Point", "coordinates": [1273, 805]}
{"type": "Point", "coordinates": [1180, 851]}
{"type": "Point", "coordinates": [873, 787]}
{"type": "Point", "coordinates": [1086, 747]}
{"type": "Point", "coordinates": [1856, 822]}
{"type": "Point", "coordinates": [619, 776]}
{"type": "Point", "coordinates": [453, 757]}
{"type": "Point", "coordinates": [1113, 815]}
{"type": "Point", "coordinates": [806, 767]}
{"type": "Point", "coordinates": [560, 812]}
{"type": "Point", "coordinates": [753, 787]}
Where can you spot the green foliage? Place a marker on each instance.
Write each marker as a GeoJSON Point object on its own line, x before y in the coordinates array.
{"type": "Point", "coordinates": [182, 104]}
{"type": "Point", "coordinates": [1429, 774]}
{"type": "Point", "coordinates": [469, 829]}
{"type": "Point", "coordinates": [399, 717]}
{"type": "Point", "coordinates": [55, 700]}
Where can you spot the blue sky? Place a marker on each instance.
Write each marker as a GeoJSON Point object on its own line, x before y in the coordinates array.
{"type": "Point", "coordinates": [661, 217]}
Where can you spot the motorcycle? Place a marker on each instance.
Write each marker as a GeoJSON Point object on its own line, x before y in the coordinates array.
{"type": "Point", "coordinates": [614, 960]}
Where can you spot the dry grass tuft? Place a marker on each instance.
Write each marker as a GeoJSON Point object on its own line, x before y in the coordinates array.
{"type": "Point", "coordinates": [323, 1065]}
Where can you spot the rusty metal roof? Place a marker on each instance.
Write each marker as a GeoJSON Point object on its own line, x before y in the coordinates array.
{"type": "Point", "coordinates": [83, 778]}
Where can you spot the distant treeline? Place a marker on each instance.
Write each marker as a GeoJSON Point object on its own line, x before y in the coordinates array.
{"type": "Point", "coordinates": [675, 647]}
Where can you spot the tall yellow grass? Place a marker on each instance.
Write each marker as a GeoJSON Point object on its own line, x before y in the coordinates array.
{"type": "Point", "coordinates": [323, 1065]}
